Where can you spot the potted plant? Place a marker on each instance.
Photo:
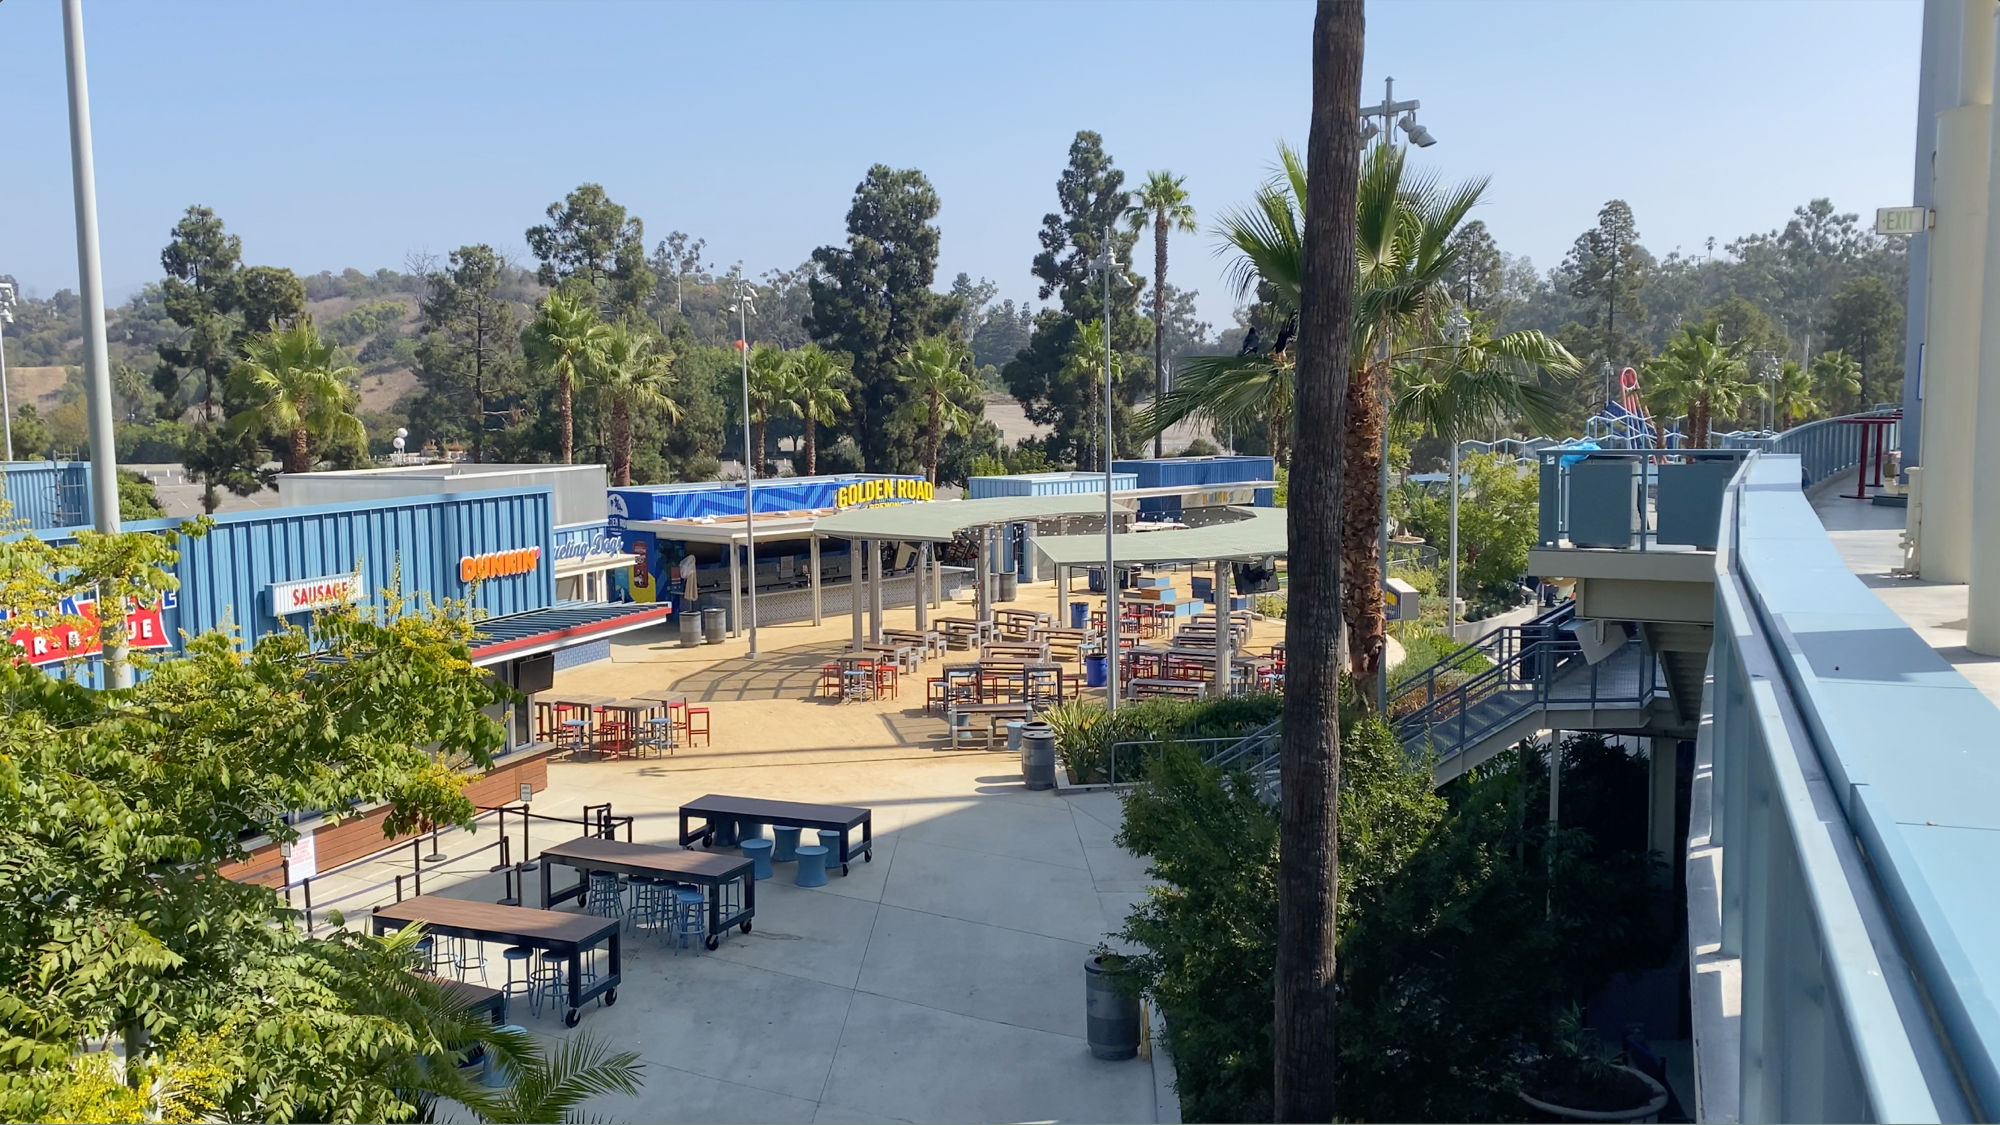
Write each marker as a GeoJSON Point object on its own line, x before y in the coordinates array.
{"type": "Point", "coordinates": [1579, 1079]}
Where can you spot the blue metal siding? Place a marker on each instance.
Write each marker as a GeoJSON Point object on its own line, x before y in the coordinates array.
{"type": "Point", "coordinates": [47, 494]}
{"type": "Point", "coordinates": [1198, 472]}
{"type": "Point", "coordinates": [1049, 484]}
{"type": "Point", "coordinates": [721, 498]}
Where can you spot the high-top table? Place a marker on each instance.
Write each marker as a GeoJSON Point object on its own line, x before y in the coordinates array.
{"type": "Point", "coordinates": [716, 807]}
{"type": "Point", "coordinates": [557, 931]}
{"type": "Point", "coordinates": [702, 869]}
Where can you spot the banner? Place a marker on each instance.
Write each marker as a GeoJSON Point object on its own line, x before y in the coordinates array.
{"type": "Point", "coordinates": [145, 628]}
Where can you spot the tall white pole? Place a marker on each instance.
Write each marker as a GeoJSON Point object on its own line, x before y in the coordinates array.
{"type": "Point", "coordinates": [96, 364]}
{"type": "Point", "coordinates": [1983, 595]}
{"type": "Point", "coordinates": [1110, 523]}
{"type": "Point", "coordinates": [1451, 594]}
{"type": "Point", "coordinates": [6, 405]}
{"type": "Point", "coordinates": [749, 469]}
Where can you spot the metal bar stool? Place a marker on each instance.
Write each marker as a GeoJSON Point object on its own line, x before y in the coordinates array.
{"type": "Point", "coordinates": [606, 898]}
{"type": "Point", "coordinates": [523, 985]}
{"type": "Point", "coordinates": [690, 919]}
{"type": "Point", "coordinates": [468, 957]}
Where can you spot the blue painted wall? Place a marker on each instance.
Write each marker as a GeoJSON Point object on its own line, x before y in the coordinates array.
{"type": "Point", "coordinates": [720, 498]}
{"type": "Point", "coordinates": [415, 544]}
{"type": "Point", "coordinates": [1197, 472]}
{"type": "Point", "coordinates": [47, 494]}
{"type": "Point", "coordinates": [1048, 484]}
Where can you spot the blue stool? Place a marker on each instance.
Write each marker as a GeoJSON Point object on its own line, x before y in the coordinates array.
{"type": "Point", "coordinates": [607, 895]}
{"type": "Point", "coordinates": [785, 843]}
{"type": "Point", "coordinates": [749, 830]}
{"type": "Point", "coordinates": [652, 903]}
{"type": "Point", "coordinates": [523, 985]}
{"type": "Point", "coordinates": [759, 853]}
{"type": "Point", "coordinates": [493, 1072]}
{"type": "Point", "coordinates": [690, 927]}
{"type": "Point", "coordinates": [724, 834]}
{"type": "Point", "coordinates": [812, 867]}
{"type": "Point", "coordinates": [829, 839]}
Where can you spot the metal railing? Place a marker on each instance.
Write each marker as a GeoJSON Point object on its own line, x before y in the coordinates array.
{"type": "Point", "coordinates": [1825, 447]}
{"type": "Point", "coordinates": [1548, 672]}
{"type": "Point", "coordinates": [1840, 831]}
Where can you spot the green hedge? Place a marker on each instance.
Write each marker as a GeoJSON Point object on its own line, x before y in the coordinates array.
{"type": "Point", "coordinates": [1085, 733]}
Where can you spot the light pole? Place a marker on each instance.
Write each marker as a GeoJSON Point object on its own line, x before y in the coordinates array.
{"type": "Point", "coordinates": [1457, 330]}
{"type": "Point", "coordinates": [742, 310]}
{"type": "Point", "coordinates": [1384, 135]}
{"type": "Point", "coordinates": [90, 277]}
{"type": "Point", "coordinates": [1105, 263]}
{"type": "Point", "coordinates": [6, 405]}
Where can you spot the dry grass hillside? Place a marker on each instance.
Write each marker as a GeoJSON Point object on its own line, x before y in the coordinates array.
{"type": "Point", "coordinates": [39, 385]}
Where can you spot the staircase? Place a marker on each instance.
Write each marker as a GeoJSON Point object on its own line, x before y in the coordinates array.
{"type": "Point", "coordinates": [1485, 697]}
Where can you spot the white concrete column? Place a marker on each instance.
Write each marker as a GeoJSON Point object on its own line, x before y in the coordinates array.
{"type": "Point", "coordinates": [1225, 640]}
{"type": "Point", "coordinates": [1958, 256]}
{"type": "Point", "coordinates": [982, 576]}
{"type": "Point", "coordinates": [854, 555]}
{"type": "Point", "coordinates": [1660, 834]}
{"type": "Point", "coordinates": [875, 578]}
{"type": "Point", "coordinates": [1983, 616]}
{"type": "Point", "coordinates": [812, 574]}
{"type": "Point", "coordinates": [735, 593]}
{"type": "Point", "coordinates": [937, 574]}
{"type": "Point", "coordinates": [918, 582]}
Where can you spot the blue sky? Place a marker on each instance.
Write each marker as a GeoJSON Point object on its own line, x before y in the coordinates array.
{"type": "Point", "coordinates": [334, 133]}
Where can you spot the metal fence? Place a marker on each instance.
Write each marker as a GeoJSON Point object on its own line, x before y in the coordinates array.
{"type": "Point", "coordinates": [1825, 447]}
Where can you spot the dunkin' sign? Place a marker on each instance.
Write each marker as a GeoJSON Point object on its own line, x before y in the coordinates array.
{"type": "Point", "coordinates": [499, 564]}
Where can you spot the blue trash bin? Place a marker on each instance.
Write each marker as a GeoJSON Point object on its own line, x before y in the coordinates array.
{"type": "Point", "coordinates": [1079, 615]}
{"type": "Point", "coordinates": [1014, 734]}
{"type": "Point", "coordinates": [1202, 588]}
{"type": "Point", "coordinates": [1093, 670]}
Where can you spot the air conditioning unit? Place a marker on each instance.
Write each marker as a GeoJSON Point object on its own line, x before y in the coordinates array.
{"type": "Point", "coordinates": [1913, 523]}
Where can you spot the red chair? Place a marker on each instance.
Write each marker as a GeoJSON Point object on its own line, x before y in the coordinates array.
{"type": "Point", "coordinates": [698, 728]}
{"type": "Point", "coordinates": [885, 678]}
{"type": "Point", "coordinates": [829, 680]}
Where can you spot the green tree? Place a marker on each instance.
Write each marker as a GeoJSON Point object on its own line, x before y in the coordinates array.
{"type": "Point", "coordinates": [1867, 324]}
{"type": "Point", "coordinates": [1092, 201]}
{"type": "Point", "coordinates": [1605, 269]}
{"type": "Point", "coordinates": [872, 300]}
{"type": "Point", "coordinates": [566, 341]}
{"type": "Point", "coordinates": [819, 395]}
{"type": "Point", "coordinates": [770, 390]}
{"type": "Point", "coordinates": [935, 370]}
{"type": "Point", "coordinates": [1084, 367]}
{"type": "Point", "coordinates": [1162, 202]}
{"type": "Point", "coordinates": [1309, 763]}
{"type": "Point", "coordinates": [267, 297]}
{"type": "Point", "coordinates": [1477, 279]}
{"type": "Point", "coordinates": [292, 384]}
{"type": "Point", "coordinates": [637, 376]}
{"type": "Point", "coordinates": [32, 440]}
{"type": "Point", "coordinates": [590, 237]}
{"type": "Point", "coordinates": [1496, 527]}
{"type": "Point", "coordinates": [202, 260]}
{"type": "Point", "coordinates": [972, 297]}
{"type": "Point", "coordinates": [137, 499]}
{"type": "Point", "coordinates": [469, 341]}
{"type": "Point", "coordinates": [1701, 375]}
{"type": "Point", "coordinates": [1834, 377]}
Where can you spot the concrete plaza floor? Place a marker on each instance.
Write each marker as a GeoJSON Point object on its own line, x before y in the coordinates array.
{"type": "Point", "coordinates": [941, 982]}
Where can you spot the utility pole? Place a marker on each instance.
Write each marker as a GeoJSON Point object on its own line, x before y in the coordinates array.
{"type": "Point", "coordinates": [742, 311]}
{"type": "Point", "coordinates": [6, 405]}
{"type": "Point", "coordinates": [96, 363]}
{"type": "Point", "coordinates": [1106, 263]}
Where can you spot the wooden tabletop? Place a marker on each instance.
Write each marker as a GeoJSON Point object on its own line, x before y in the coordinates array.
{"type": "Point", "coordinates": [768, 811]}
{"type": "Point", "coordinates": [649, 857]}
{"type": "Point", "coordinates": [583, 700]}
{"type": "Point", "coordinates": [670, 700]}
{"type": "Point", "coordinates": [491, 919]}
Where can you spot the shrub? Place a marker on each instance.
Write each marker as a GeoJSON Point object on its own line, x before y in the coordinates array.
{"type": "Point", "coordinates": [1271, 606]}
{"type": "Point", "coordinates": [1086, 733]}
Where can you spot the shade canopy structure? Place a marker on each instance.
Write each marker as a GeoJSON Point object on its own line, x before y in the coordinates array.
{"type": "Point", "coordinates": [939, 521]}
{"type": "Point", "coordinates": [1261, 534]}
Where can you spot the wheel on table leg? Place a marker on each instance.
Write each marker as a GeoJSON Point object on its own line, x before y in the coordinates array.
{"type": "Point", "coordinates": [610, 997]}
{"type": "Point", "coordinates": [868, 857]}
{"type": "Point", "coordinates": [745, 927]}
{"type": "Point", "coordinates": [843, 869]}
{"type": "Point", "coordinates": [713, 942]}
{"type": "Point", "coordinates": [572, 1017]}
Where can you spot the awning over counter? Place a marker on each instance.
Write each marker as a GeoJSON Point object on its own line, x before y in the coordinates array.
{"type": "Point", "coordinates": [559, 626]}
{"type": "Point", "coordinates": [1262, 535]}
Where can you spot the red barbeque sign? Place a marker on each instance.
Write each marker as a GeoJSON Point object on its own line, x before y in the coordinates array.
{"type": "Point", "coordinates": [145, 628]}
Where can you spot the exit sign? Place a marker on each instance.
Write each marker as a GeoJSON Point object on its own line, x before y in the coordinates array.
{"type": "Point", "coordinates": [1902, 220]}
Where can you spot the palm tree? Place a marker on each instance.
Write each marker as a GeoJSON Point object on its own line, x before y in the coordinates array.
{"type": "Point", "coordinates": [1836, 378]}
{"type": "Point", "coordinates": [1789, 394]}
{"type": "Point", "coordinates": [1085, 364]}
{"type": "Point", "coordinates": [567, 340]}
{"type": "Point", "coordinates": [936, 369]}
{"type": "Point", "coordinates": [819, 395]}
{"type": "Point", "coordinates": [1700, 375]}
{"type": "Point", "coordinates": [637, 373]}
{"type": "Point", "coordinates": [296, 386]}
{"type": "Point", "coordinates": [1162, 201]}
{"type": "Point", "coordinates": [770, 389]}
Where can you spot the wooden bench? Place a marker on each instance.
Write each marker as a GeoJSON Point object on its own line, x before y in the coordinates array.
{"type": "Point", "coordinates": [1154, 687]}
{"type": "Point", "coordinates": [965, 633]}
{"type": "Point", "coordinates": [929, 642]}
{"type": "Point", "coordinates": [714, 808]}
{"type": "Point", "coordinates": [992, 715]}
{"type": "Point", "coordinates": [1036, 653]}
{"type": "Point", "coordinates": [1017, 624]}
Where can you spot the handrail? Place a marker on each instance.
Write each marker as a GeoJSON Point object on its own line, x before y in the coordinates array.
{"type": "Point", "coordinates": [1495, 646]}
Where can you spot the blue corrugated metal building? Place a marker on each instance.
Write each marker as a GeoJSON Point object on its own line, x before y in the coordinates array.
{"type": "Point", "coordinates": [1197, 472]}
{"type": "Point", "coordinates": [47, 494]}
{"type": "Point", "coordinates": [1048, 484]}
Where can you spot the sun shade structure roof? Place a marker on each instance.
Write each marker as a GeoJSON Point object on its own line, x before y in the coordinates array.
{"type": "Point", "coordinates": [1260, 536]}
{"type": "Point", "coordinates": [939, 520]}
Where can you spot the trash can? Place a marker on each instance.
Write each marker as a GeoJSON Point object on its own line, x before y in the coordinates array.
{"type": "Point", "coordinates": [1111, 1023]}
{"type": "Point", "coordinates": [1202, 588]}
{"type": "Point", "coordinates": [714, 624]}
{"type": "Point", "coordinates": [1079, 615]}
{"type": "Point", "coordinates": [690, 625]}
{"type": "Point", "coordinates": [1010, 584]}
{"type": "Point", "coordinates": [1014, 734]}
{"type": "Point", "coordinates": [1038, 755]}
{"type": "Point", "coordinates": [1093, 670]}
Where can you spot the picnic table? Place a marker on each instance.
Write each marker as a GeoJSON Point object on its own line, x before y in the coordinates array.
{"type": "Point", "coordinates": [929, 642]}
{"type": "Point", "coordinates": [557, 931]}
{"type": "Point", "coordinates": [993, 713]}
{"type": "Point", "coordinates": [905, 656]}
{"type": "Point", "coordinates": [857, 675]}
{"type": "Point", "coordinates": [551, 711]}
{"type": "Point", "coordinates": [964, 632]}
{"type": "Point", "coordinates": [1018, 624]}
{"type": "Point", "coordinates": [702, 869]}
{"type": "Point", "coordinates": [1025, 653]}
{"type": "Point", "coordinates": [715, 807]}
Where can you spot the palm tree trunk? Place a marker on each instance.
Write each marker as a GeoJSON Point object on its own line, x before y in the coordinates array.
{"type": "Point", "coordinates": [933, 440]}
{"type": "Point", "coordinates": [812, 446]}
{"type": "Point", "coordinates": [757, 442]}
{"type": "Point", "coordinates": [1160, 319]}
{"type": "Point", "coordinates": [1361, 525]}
{"type": "Point", "coordinates": [1309, 748]}
{"type": "Point", "coordinates": [568, 418]}
{"type": "Point", "coordinates": [296, 460]}
{"type": "Point", "coordinates": [621, 441]}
